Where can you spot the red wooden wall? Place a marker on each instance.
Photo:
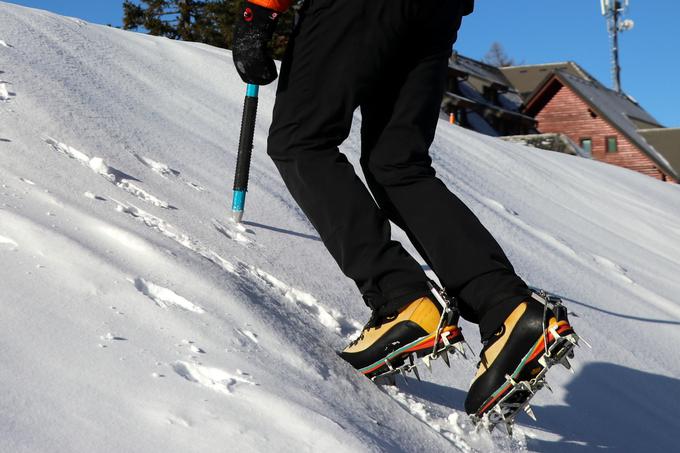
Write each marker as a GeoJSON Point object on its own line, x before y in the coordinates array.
{"type": "Point", "coordinates": [568, 114]}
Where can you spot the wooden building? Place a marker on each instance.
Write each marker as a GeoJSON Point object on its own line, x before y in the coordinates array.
{"type": "Point", "coordinates": [606, 124]}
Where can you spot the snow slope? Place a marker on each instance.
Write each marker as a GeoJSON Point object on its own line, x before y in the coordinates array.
{"type": "Point", "coordinates": [135, 317]}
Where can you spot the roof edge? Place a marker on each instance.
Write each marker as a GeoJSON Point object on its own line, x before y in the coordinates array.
{"type": "Point", "coordinates": [537, 65]}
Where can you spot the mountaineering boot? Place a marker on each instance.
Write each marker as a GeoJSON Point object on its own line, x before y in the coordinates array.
{"type": "Point", "coordinates": [516, 353]}
{"type": "Point", "coordinates": [385, 342]}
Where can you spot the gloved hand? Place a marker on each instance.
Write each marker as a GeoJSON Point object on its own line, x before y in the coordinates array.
{"type": "Point", "coordinates": [251, 49]}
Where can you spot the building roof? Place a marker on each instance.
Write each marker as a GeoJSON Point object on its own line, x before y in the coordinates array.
{"type": "Point", "coordinates": [527, 78]}
{"type": "Point", "coordinates": [475, 68]}
{"type": "Point", "coordinates": [619, 110]}
{"type": "Point", "coordinates": [492, 106]}
{"type": "Point", "coordinates": [667, 142]}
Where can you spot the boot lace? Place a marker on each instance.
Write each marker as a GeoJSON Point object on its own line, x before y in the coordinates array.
{"type": "Point", "coordinates": [374, 322]}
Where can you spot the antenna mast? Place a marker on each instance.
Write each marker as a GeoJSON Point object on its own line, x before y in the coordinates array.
{"type": "Point", "coordinates": [614, 10]}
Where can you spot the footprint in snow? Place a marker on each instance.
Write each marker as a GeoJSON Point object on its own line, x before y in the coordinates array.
{"type": "Point", "coordinates": [113, 175]}
{"type": "Point", "coordinates": [234, 231]}
{"type": "Point", "coordinates": [164, 297]}
{"type": "Point", "coordinates": [166, 172]}
{"type": "Point", "coordinates": [456, 427]}
{"type": "Point", "coordinates": [329, 318]}
{"type": "Point", "coordinates": [169, 231]}
{"type": "Point", "coordinates": [213, 378]}
{"type": "Point", "coordinates": [160, 168]}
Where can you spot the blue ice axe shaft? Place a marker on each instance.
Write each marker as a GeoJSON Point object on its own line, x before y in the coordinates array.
{"type": "Point", "coordinates": [245, 151]}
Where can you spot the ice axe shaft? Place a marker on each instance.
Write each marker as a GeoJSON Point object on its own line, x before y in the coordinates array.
{"type": "Point", "coordinates": [245, 151]}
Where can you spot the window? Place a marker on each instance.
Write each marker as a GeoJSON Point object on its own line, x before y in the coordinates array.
{"type": "Point", "coordinates": [612, 144]}
{"type": "Point", "coordinates": [490, 93]}
{"type": "Point", "coordinates": [587, 145]}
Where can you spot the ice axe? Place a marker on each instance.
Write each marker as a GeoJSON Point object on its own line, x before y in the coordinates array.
{"type": "Point", "coordinates": [245, 150]}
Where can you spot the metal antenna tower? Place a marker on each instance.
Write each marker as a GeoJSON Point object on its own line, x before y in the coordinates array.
{"type": "Point", "coordinates": [614, 10]}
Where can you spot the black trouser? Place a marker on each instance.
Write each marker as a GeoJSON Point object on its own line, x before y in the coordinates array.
{"type": "Point", "coordinates": [390, 58]}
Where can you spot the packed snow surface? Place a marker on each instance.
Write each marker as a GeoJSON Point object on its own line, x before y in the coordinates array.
{"type": "Point", "coordinates": [135, 317]}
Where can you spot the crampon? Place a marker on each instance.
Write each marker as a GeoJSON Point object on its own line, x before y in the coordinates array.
{"type": "Point", "coordinates": [447, 339]}
{"type": "Point", "coordinates": [555, 347]}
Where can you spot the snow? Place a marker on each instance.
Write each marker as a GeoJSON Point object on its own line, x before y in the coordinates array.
{"type": "Point", "coordinates": [136, 317]}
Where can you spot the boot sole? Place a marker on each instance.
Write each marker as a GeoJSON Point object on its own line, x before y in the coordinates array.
{"type": "Point", "coordinates": [421, 347]}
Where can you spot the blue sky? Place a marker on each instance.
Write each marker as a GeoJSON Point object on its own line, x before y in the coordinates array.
{"type": "Point", "coordinates": [537, 31]}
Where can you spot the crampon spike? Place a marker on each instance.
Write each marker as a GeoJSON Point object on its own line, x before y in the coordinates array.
{"type": "Point", "coordinates": [445, 358]}
{"type": "Point", "coordinates": [413, 367]}
{"type": "Point", "coordinates": [427, 360]}
{"type": "Point", "coordinates": [530, 412]}
{"type": "Point", "coordinates": [402, 372]}
{"type": "Point", "coordinates": [508, 427]}
{"type": "Point", "coordinates": [565, 363]}
{"type": "Point", "coordinates": [472, 351]}
{"type": "Point", "coordinates": [461, 349]}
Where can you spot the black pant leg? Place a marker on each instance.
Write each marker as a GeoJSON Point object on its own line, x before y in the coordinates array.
{"type": "Point", "coordinates": [399, 123]}
{"type": "Point", "coordinates": [334, 57]}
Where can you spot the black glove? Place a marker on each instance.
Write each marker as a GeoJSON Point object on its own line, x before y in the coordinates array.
{"type": "Point", "coordinates": [251, 50]}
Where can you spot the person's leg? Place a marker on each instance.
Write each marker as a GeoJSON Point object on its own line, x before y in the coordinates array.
{"type": "Point", "coordinates": [333, 59]}
{"type": "Point", "coordinates": [398, 127]}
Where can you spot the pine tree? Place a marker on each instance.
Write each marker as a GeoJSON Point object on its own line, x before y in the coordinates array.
{"type": "Point", "coordinates": [496, 56]}
{"type": "Point", "coordinates": [209, 22]}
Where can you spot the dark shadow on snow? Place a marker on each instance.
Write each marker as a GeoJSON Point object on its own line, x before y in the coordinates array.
{"type": "Point", "coordinates": [6, 140]}
{"type": "Point", "coordinates": [434, 393]}
{"type": "Point", "coordinates": [612, 408]}
{"type": "Point", "coordinates": [120, 175]}
{"type": "Point", "coordinates": [282, 230]}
